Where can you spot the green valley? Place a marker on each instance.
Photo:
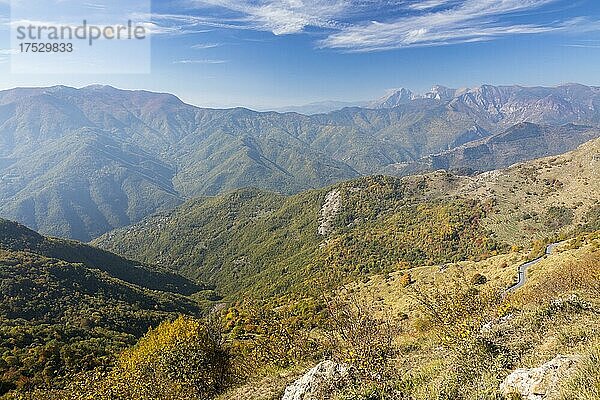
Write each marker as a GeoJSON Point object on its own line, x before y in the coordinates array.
{"type": "Point", "coordinates": [66, 307]}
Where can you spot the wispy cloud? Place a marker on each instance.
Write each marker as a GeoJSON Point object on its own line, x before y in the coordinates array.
{"type": "Point", "coordinates": [374, 25]}
{"type": "Point", "coordinates": [283, 16]}
{"type": "Point", "coordinates": [467, 21]}
{"type": "Point", "coordinates": [200, 62]}
{"type": "Point", "coordinates": [429, 4]}
{"type": "Point", "coordinates": [94, 6]}
{"type": "Point", "coordinates": [585, 44]}
{"type": "Point", "coordinates": [4, 53]}
{"type": "Point", "coordinates": [181, 24]}
{"type": "Point", "coordinates": [202, 46]}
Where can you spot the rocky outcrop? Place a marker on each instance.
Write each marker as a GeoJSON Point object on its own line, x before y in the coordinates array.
{"type": "Point", "coordinates": [318, 382]}
{"type": "Point", "coordinates": [538, 383]}
{"type": "Point", "coordinates": [329, 211]}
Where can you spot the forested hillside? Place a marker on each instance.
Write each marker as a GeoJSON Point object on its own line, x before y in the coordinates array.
{"type": "Point", "coordinates": [66, 307]}
{"type": "Point", "coordinates": [401, 278]}
{"type": "Point", "coordinates": [80, 162]}
{"type": "Point", "coordinates": [260, 242]}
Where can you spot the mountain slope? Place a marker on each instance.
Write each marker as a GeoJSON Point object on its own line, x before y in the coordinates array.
{"type": "Point", "coordinates": [260, 243]}
{"type": "Point", "coordinates": [84, 184]}
{"type": "Point", "coordinates": [17, 238]}
{"type": "Point", "coordinates": [522, 142]}
{"type": "Point", "coordinates": [66, 307]}
{"type": "Point", "coordinates": [80, 162]}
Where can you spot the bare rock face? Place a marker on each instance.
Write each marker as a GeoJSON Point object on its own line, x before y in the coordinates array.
{"type": "Point", "coordinates": [318, 382]}
{"type": "Point", "coordinates": [329, 211]}
{"type": "Point", "coordinates": [538, 383]}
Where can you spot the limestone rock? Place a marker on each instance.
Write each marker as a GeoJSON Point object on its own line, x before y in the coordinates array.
{"type": "Point", "coordinates": [538, 383]}
{"type": "Point", "coordinates": [333, 203]}
{"type": "Point", "coordinates": [318, 382]}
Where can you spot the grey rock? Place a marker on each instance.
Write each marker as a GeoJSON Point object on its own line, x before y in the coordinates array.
{"type": "Point", "coordinates": [329, 211]}
{"type": "Point", "coordinates": [539, 383]}
{"type": "Point", "coordinates": [318, 382]}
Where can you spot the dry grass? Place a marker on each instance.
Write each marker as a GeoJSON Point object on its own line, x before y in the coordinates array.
{"type": "Point", "coordinates": [541, 320]}
{"type": "Point", "coordinates": [524, 193]}
{"type": "Point", "coordinates": [268, 387]}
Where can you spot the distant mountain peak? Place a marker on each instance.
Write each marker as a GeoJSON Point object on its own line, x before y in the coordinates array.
{"type": "Point", "coordinates": [440, 92]}
{"type": "Point", "coordinates": [100, 87]}
{"type": "Point", "coordinates": [394, 98]}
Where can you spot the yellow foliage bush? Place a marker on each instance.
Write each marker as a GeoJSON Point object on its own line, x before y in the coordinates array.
{"type": "Point", "coordinates": [183, 356]}
{"type": "Point", "coordinates": [185, 359]}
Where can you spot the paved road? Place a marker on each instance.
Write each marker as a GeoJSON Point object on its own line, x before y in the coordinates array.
{"type": "Point", "coordinates": [523, 268]}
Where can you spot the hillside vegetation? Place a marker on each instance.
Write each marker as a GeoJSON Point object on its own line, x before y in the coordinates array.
{"type": "Point", "coordinates": [402, 279]}
{"type": "Point", "coordinates": [430, 332]}
{"type": "Point", "coordinates": [67, 307]}
{"type": "Point", "coordinates": [78, 163]}
{"type": "Point", "coordinates": [260, 243]}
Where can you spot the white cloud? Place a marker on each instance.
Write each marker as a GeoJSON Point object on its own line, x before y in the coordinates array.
{"type": "Point", "coordinates": [429, 4]}
{"type": "Point", "coordinates": [179, 24]}
{"type": "Point", "coordinates": [372, 25]}
{"type": "Point", "coordinates": [466, 21]}
{"type": "Point", "coordinates": [202, 46]}
{"type": "Point", "coordinates": [583, 46]}
{"type": "Point", "coordinates": [4, 53]}
{"type": "Point", "coordinates": [95, 6]}
{"type": "Point", "coordinates": [284, 16]}
{"type": "Point", "coordinates": [200, 62]}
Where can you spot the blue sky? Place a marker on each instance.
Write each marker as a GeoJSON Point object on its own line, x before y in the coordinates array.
{"type": "Point", "coordinates": [267, 53]}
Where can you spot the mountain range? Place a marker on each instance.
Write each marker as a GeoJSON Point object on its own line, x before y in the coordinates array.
{"type": "Point", "coordinates": [520, 142]}
{"type": "Point", "coordinates": [319, 107]}
{"type": "Point", "coordinates": [254, 243]}
{"type": "Point", "coordinates": [80, 320]}
{"type": "Point", "coordinates": [80, 162]}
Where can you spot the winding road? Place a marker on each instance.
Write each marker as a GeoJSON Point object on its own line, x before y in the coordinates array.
{"type": "Point", "coordinates": [523, 268]}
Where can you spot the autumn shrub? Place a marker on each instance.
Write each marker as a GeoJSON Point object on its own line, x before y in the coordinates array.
{"type": "Point", "coordinates": [185, 359]}
{"type": "Point", "coordinates": [592, 219]}
{"type": "Point", "coordinates": [558, 217]}
{"type": "Point", "coordinates": [406, 279]}
{"type": "Point", "coordinates": [458, 313]}
{"type": "Point", "coordinates": [457, 309]}
{"type": "Point", "coordinates": [186, 355]}
{"type": "Point", "coordinates": [478, 279]}
{"type": "Point", "coordinates": [362, 336]}
{"type": "Point", "coordinates": [267, 336]}
{"type": "Point", "coordinates": [283, 344]}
